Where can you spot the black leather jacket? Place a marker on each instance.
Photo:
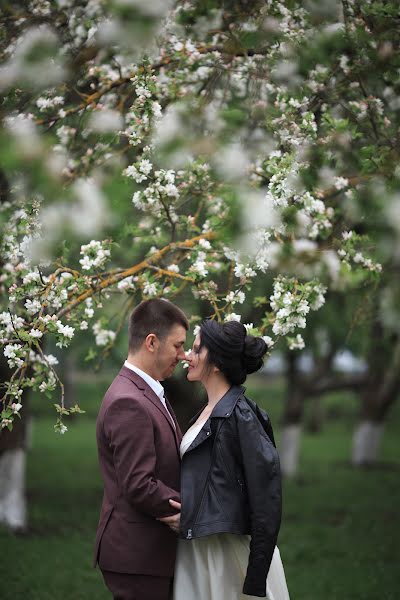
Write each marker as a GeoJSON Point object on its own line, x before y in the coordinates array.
{"type": "Point", "coordinates": [231, 482]}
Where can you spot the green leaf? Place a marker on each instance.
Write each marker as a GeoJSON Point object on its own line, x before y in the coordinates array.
{"type": "Point", "coordinates": [260, 300]}
{"type": "Point", "coordinates": [76, 409]}
{"type": "Point", "coordinates": [61, 410]}
{"type": "Point", "coordinates": [91, 355]}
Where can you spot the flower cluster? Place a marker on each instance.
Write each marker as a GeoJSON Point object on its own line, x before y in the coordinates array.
{"type": "Point", "coordinates": [14, 355]}
{"type": "Point", "coordinates": [159, 196]}
{"type": "Point", "coordinates": [95, 255]}
{"type": "Point", "coordinates": [145, 110]}
{"type": "Point", "coordinates": [351, 256]}
{"type": "Point", "coordinates": [103, 336]}
{"type": "Point", "coordinates": [291, 301]}
{"type": "Point", "coordinates": [296, 343]}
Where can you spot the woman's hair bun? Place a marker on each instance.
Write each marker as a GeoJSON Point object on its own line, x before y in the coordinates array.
{"type": "Point", "coordinates": [253, 353]}
{"type": "Point", "coordinates": [231, 350]}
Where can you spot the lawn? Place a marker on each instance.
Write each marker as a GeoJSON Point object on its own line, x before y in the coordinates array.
{"type": "Point", "coordinates": [339, 538]}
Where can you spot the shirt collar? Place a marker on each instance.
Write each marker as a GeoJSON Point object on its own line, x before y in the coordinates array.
{"type": "Point", "coordinates": [153, 383]}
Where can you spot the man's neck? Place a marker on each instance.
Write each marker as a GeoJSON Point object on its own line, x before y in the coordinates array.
{"type": "Point", "coordinates": [136, 361]}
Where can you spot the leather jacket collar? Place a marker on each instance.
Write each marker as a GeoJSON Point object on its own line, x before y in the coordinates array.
{"type": "Point", "coordinates": [225, 406]}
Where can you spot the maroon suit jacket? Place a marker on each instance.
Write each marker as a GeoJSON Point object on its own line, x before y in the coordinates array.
{"type": "Point", "coordinates": [138, 450]}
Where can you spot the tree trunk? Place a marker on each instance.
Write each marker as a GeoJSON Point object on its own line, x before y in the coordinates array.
{"type": "Point", "coordinates": [13, 512]}
{"type": "Point", "coordinates": [366, 443]}
{"type": "Point", "coordinates": [317, 415]}
{"type": "Point", "coordinates": [379, 393]}
{"type": "Point", "coordinates": [291, 429]}
{"type": "Point", "coordinates": [12, 489]}
{"type": "Point", "coordinates": [290, 448]}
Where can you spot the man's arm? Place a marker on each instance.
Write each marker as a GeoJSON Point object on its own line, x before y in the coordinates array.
{"type": "Point", "coordinates": [129, 430]}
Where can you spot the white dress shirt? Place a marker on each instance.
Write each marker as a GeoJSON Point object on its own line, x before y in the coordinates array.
{"type": "Point", "coordinates": [153, 383]}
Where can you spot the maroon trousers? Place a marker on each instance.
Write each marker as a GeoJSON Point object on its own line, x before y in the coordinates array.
{"type": "Point", "coordinates": [125, 586]}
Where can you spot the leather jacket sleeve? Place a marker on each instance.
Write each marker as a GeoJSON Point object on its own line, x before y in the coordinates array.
{"type": "Point", "coordinates": [263, 482]}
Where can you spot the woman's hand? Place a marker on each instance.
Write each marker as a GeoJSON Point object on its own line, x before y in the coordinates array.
{"type": "Point", "coordinates": [174, 520]}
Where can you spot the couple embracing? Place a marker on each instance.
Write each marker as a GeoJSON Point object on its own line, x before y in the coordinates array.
{"type": "Point", "coordinates": [193, 517]}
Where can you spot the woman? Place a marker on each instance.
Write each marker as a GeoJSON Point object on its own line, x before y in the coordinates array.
{"type": "Point", "coordinates": [230, 482]}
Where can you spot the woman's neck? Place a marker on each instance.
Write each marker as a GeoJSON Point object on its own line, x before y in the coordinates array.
{"type": "Point", "coordinates": [216, 388]}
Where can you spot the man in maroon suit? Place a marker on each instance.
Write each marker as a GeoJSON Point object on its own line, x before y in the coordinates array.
{"type": "Point", "coordinates": [138, 440]}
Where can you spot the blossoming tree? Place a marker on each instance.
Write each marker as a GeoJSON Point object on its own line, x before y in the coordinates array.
{"type": "Point", "coordinates": [266, 112]}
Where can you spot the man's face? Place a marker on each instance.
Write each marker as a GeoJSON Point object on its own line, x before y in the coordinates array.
{"type": "Point", "coordinates": [170, 351]}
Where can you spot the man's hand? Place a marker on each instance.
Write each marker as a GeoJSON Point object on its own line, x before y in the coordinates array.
{"type": "Point", "coordinates": [174, 520]}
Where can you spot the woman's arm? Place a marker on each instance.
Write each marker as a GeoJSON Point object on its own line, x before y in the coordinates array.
{"type": "Point", "coordinates": [263, 483]}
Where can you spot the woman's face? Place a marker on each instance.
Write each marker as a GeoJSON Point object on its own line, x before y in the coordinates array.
{"type": "Point", "coordinates": [197, 360]}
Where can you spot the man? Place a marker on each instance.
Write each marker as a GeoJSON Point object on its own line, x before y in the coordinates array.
{"type": "Point", "coordinates": [138, 441]}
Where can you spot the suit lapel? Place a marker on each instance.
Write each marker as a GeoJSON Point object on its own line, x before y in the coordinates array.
{"type": "Point", "coordinates": [177, 428]}
{"type": "Point", "coordinates": [154, 399]}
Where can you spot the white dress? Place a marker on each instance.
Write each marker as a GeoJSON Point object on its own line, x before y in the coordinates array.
{"type": "Point", "coordinates": [214, 567]}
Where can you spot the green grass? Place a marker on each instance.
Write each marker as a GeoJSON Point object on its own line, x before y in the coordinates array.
{"type": "Point", "coordinates": [338, 539]}
{"type": "Point", "coordinates": [53, 562]}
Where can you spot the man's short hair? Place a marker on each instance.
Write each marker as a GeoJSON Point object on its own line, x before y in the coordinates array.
{"type": "Point", "coordinates": [156, 316]}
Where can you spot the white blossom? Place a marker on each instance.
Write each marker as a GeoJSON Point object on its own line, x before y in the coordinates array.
{"type": "Point", "coordinates": [199, 266]}
{"type": "Point", "coordinates": [235, 297]}
{"type": "Point", "coordinates": [232, 317]}
{"type": "Point", "coordinates": [11, 353]}
{"type": "Point", "coordinates": [103, 336]}
{"type": "Point", "coordinates": [244, 272]}
{"type": "Point", "coordinates": [89, 311]}
{"type": "Point", "coordinates": [145, 166]}
{"type": "Point", "coordinates": [31, 277]}
{"type": "Point", "coordinates": [204, 244]}
{"type": "Point", "coordinates": [50, 359]}
{"type": "Point", "coordinates": [11, 322]}
{"type": "Point", "coordinates": [268, 340]}
{"type": "Point", "coordinates": [49, 384]}
{"type": "Point", "coordinates": [296, 343]}
{"type": "Point", "coordinates": [67, 333]}
{"type": "Point", "coordinates": [35, 333]}
{"type": "Point", "coordinates": [341, 183]}
{"type": "Point", "coordinates": [150, 289]}
{"type": "Point", "coordinates": [126, 284]}
{"type": "Point", "coordinates": [45, 103]}
{"type": "Point", "coordinates": [173, 268]}
{"type": "Point", "coordinates": [94, 255]}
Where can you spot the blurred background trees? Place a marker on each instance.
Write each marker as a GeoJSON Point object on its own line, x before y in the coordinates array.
{"type": "Point", "coordinates": [239, 158]}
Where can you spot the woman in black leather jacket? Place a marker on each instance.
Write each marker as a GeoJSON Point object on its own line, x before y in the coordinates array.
{"type": "Point", "coordinates": [231, 482]}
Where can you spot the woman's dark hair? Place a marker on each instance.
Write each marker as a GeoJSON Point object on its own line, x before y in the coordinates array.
{"type": "Point", "coordinates": [235, 353]}
{"type": "Point", "coordinates": [156, 316]}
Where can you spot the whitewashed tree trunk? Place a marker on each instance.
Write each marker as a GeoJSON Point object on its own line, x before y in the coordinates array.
{"type": "Point", "coordinates": [12, 488]}
{"type": "Point", "coordinates": [289, 449]}
{"type": "Point", "coordinates": [366, 443]}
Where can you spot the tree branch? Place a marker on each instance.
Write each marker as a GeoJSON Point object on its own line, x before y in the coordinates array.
{"type": "Point", "coordinates": [144, 264]}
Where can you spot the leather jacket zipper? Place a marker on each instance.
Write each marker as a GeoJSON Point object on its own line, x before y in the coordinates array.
{"type": "Point", "coordinates": [189, 534]}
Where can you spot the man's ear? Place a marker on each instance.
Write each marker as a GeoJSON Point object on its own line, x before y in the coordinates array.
{"type": "Point", "coordinates": [151, 342]}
